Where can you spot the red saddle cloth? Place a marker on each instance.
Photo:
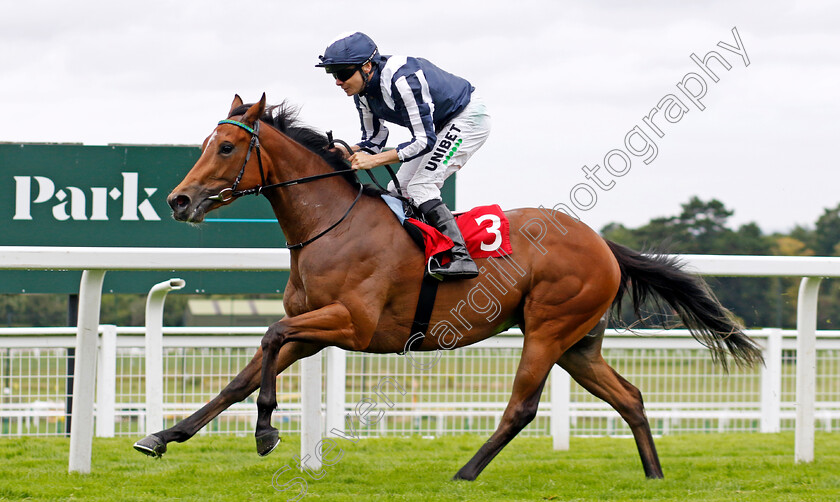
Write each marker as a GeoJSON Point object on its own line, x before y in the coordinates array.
{"type": "Point", "coordinates": [486, 232]}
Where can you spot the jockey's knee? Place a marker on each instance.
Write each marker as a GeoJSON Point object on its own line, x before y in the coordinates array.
{"type": "Point", "coordinates": [423, 192]}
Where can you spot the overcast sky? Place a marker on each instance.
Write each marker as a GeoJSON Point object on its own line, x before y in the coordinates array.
{"type": "Point", "coordinates": [565, 83]}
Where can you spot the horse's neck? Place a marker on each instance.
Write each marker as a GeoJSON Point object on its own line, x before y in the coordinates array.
{"type": "Point", "coordinates": [305, 209]}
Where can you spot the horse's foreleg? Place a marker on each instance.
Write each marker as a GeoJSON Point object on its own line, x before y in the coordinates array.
{"type": "Point", "coordinates": [534, 365]}
{"type": "Point", "coordinates": [585, 364]}
{"type": "Point", "coordinates": [330, 325]}
{"type": "Point", "coordinates": [246, 382]}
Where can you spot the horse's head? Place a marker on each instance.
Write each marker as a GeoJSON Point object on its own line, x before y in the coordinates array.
{"type": "Point", "coordinates": [225, 156]}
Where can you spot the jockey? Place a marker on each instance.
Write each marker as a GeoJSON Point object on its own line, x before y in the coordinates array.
{"type": "Point", "coordinates": [448, 123]}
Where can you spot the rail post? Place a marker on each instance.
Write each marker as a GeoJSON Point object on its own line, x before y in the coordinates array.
{"type": "Point", "coordinates": [84, 382]}
{"type": "Point", "coordinates": [106, 382]}
{"type": "Point", "coordinates": [311, 419]}
{"type": "Point", "coordinates": [806, 368]}
{"type": "Point", "coordinates": [771, 383]}
{"type": "Point", "coordinates": [154, 352]}
{"type": "Point", "coordinates": [561, 401]}
{"type": "Point", "coordinates": [336, 381]}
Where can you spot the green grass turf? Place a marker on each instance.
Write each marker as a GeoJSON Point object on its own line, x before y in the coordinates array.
{"type": "Point", "coordinates": [713, 467]}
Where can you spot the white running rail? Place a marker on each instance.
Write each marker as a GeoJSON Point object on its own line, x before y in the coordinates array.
{"type": "Point", "coordinates": [95, 262]}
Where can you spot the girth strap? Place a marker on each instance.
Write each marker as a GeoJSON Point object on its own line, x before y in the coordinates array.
{"type": "Point", "coordinates": [423, 312]}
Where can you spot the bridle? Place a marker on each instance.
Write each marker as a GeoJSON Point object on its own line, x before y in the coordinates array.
{"type": "Point", "coordinates": [233, 193]}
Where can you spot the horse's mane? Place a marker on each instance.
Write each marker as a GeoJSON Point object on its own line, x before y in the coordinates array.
{"type": "Point", "coordinates": [284, 118]}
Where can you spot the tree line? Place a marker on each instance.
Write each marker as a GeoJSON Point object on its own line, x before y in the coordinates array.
{"type": "Point", "coordinates": [702, 227]}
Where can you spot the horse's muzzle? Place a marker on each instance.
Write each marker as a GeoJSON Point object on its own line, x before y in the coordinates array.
{"type": "Point", "coordinates": [184, 208]}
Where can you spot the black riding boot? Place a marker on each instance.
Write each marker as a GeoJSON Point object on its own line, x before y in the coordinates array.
{"type": "Point", "coordinates": [461, 266]}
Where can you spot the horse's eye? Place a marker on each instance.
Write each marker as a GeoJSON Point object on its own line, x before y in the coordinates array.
{"type": "Point", "coordinates": [225, 148]}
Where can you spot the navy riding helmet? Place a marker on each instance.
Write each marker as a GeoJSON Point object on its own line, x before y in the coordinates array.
{"type": "Point", "coordinates": [355, 49]}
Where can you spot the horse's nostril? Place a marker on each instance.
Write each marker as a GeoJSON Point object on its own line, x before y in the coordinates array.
{"type": "Point", "coordinates": [181, 201]}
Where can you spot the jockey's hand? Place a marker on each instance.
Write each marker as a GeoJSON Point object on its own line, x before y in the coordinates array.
{"type": "Point", "coordinates": [362, 161]}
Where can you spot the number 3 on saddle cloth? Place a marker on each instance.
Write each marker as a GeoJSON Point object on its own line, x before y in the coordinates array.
{"type": "Point", "coordinates": [486, 232]}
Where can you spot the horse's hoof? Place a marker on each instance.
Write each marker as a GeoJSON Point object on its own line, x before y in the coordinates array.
{"type": "Point", "coordinates": [267, 442]}
{"type": "Point", "coordinates": [151, 445]}
{"type": "Point", "coordinates": [461, 477]}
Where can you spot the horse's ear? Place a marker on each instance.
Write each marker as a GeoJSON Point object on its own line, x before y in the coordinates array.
{"type": "Point", "coordinates": [237, 102]}
{"type": "Point", "coordinates": [255, 112]}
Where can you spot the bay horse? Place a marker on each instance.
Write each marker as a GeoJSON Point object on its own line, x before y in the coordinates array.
{"type": "Point", "coordinates": [356, 277]}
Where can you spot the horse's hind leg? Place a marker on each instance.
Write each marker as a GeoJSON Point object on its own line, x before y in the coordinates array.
{"type": "Point", "coordinates": [584, 363]}
{"type": "Point", "coordinates": [246, 382]}
{"type": "Point", "coordinates": [528, 384]}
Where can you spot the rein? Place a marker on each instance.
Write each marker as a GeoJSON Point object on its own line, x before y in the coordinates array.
{"type": "Point", "coordinates": [257, 190]}
{"type": "Point", "coordinates": [331, 144]}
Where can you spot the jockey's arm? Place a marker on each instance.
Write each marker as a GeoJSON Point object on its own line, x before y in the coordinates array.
{"type": "Point", "coordinates": [364, 161]}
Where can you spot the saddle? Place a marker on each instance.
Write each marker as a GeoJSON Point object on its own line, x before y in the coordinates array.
{"type": "Point", "coordinates": [486, 230]}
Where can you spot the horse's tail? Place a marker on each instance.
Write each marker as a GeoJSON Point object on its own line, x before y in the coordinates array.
{"type": "Point", "coordinates": [709, 322]}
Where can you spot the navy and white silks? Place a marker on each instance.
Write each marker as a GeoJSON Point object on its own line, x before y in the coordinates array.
{"type": "Point", "coordinates": [448, 122]}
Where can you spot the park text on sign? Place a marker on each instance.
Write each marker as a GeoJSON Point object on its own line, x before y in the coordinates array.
{"type": "Point", "coordinates": [77, 199]}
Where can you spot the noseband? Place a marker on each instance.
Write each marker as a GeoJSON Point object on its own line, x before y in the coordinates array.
{"type": "Point", "coordinates": [233, 193]}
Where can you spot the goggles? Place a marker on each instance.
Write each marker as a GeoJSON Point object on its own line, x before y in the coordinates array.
{"type": "Point", "coordinates": [344, 73]}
